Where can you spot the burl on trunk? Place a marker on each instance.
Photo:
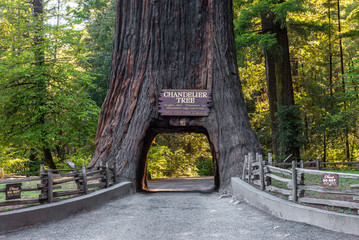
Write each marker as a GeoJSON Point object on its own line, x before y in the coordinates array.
{"type": "Point", "coordinates": [173, 44]}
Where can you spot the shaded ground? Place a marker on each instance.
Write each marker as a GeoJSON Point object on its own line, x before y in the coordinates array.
{"type": "Point", "coordinates": [182, 184]}
{"type": "Point", "coordinates": [175, 215]}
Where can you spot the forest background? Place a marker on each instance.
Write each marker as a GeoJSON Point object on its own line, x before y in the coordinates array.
{"type": "Point", "coordinates": [55, 59]}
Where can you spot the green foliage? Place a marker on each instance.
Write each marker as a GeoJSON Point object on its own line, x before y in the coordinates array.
{"type": "Point", "coordinates": [43, 104]}
{"type": "Point", "coordinates": [12, 160]}
{"type": "Point", "coordinates": [290, 127]}
{"type": "Point", "coordinates": [204, 167]}
{"type": "Point", "coordinates": [173, 155]}
{"type": "Point", "coordinates": [327, 121]}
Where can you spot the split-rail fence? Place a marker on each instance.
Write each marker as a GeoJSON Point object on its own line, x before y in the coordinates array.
{"type": "Point", "coordinates": [291, 184]}
{"type": "Point", "coordinates": [53, 185]}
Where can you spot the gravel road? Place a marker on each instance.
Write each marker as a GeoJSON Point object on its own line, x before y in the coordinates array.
{"type": "Point", "coordinates": [175, 215]}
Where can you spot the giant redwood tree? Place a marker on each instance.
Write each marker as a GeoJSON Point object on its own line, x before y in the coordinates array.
{"type": "Point", "coordinates": [173, 44]}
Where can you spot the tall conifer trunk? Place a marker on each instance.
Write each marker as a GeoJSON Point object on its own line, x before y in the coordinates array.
{"type": "Point", "coordinates": [38, 11]}
{"type": "Point", "coordinates": [173, 44]}
{"type": "Point", "coordinates": [279, 80]}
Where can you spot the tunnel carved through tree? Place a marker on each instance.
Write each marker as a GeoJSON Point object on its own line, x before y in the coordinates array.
{"type": "Point", "coordinates": [173, 45]}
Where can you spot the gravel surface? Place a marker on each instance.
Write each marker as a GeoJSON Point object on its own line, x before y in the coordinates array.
{"type": "Point", "coordinates": [174, 215]}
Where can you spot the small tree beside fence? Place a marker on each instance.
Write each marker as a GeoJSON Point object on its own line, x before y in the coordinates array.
{"type": "Point", "coordinates": [301, 185]}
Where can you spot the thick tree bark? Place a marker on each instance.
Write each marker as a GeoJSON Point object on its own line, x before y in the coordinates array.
{"type": "Point", "coordinates": [173, 44]}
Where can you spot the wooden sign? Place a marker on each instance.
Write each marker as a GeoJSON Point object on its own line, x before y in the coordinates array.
{"type": "Point", "coordinates": [330, 179]}
{"type": "Point", "coordinates": [13, 191]}
{"type": "Point", "coordinates": [184, 102]}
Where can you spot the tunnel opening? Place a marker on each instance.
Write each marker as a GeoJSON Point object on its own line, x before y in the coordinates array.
{"type": "Point", "coordinates": [178, 159]}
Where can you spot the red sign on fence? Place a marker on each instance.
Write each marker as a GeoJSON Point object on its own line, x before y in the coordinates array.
{"type": "Point", "coordinates": [330, 180]}
{"type": "Point", "coordinates": [184, 102]}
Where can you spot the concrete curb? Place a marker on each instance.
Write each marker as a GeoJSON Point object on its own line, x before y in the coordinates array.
{"type": "Point", "coordinates": [295, 212]}
{"type": "Point", "coordinates": [55, 211]}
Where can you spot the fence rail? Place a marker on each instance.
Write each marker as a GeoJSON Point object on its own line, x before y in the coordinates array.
{"type": "Point", "coordinates": [295, 185]}
{"type": "Point", "coordinates": [55, 185]}
{"type": "Point", "coordinates": [319, 165]}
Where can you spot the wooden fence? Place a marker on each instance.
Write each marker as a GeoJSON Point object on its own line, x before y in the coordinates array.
{"type": "Point", "coordinates": [53, 187]}
{"type": "Point", "coordinates": [293, 183]}
{"type": "Point", "coordinates": [319, 165]}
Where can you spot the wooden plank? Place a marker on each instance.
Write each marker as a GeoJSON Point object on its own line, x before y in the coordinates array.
{"type": "Point", "coordinates": [84, 180]}
{"type": "Point", "coordinates": [354, 185]}
{"type": "Point", "coordinates": [334, 203]}
{"type": "Point", "coordinates": [49, 186]}
{"type": "Point", "coordinates": [328, 190]}
{"type": "Point", "coordinates": [318, 164]}
{"type": "Point", "coordinates": [67, 193]}
{"type": "Point", "coordinates": [92, 173]}
{"type": "Point", "coordinates": [270, 159]}
{"type": "Point", "coordinates": [301, 164]}
{"type": "Point", "coordinates": [356, 198]}
{"type": "Point", "coordinates": [255, 164]}
{"type": "Point", "coordinates": [43, 194]}
{"type": "Point", "coordinates": [19, 202]}
{"type": "Point", "coordinates": [115, 172]}
{"type": "Point", "coordinates": [256, 182]}
{"type": "Point", "coordinates": [94, 178]}
{"type": "Point", "coordinates": [20, 180]}
{"type": "Point", "coordinates": [250, 161]}
{"type": "Point", "coordinates": [245, 167]}
{"type": "Point", "coordinates": [279, 170]}
{"type": "Point", "coordinates": [66, 180]}
{"type": "Point", "coordinates": [261, 173]}
{"type": "Point", "coordinates": [294, 182]}
{"type": "Point", "coordinates": [317, 172]}
{"type": "Point", "coordinates": [288, 180]}
{"type": "Point", "coordinates": [96, 185]}
{"type": "Point", "coordinates": [71, 174]}
{"type": "Point", "coordinates": [107, 174]}
{"type": "Point", "coordinates": [279, 190]}
{"type": "Point", "coordinates": [334, 163]}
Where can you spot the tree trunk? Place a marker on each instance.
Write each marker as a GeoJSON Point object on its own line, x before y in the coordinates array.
{"type": "Point", "coordinates": [39, 54]}
{"type": "Point", "coordinates": [279, 78]}
{"type": "Point", "coordinates": [267, 26]}
{"type": "Point", "coordinates": [173, 44]}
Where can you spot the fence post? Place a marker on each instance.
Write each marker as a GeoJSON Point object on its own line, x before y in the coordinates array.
{"type": "Point", "coordinates": [250, 160]}
{"type": "Point", "coordinates": [115, 172]}
{"type": "Point", "coordinates": [50, 181]}
{"type": "Point", "coordinates": [294, 181]}
{"type": "Point", "coordinates": [77, 177]}
{"type": "Point", "coordinates": [2, 175]}
{"type": "Point", "coordinates": [43, 184]}
{"type": "Point", "coordinates": [107, 175]}
{"type": "Point", "coordinates": [301, 164]}
{"type": "Point", "coordinates": [270, 159]}
{"type": "Point", "coordinates": [84, 179]}
{"type": "Point", "coordinates": [318, 164]}
{"type": "Point", "coordinates": [261, 172]}
{"type": "Point", "coordinates": [245, 167]}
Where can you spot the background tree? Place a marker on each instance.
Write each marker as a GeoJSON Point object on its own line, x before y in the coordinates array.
{"type": "Point", "coordinates": [43, 90]}
{"type": "Point", "coordinates": [274, 42]}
